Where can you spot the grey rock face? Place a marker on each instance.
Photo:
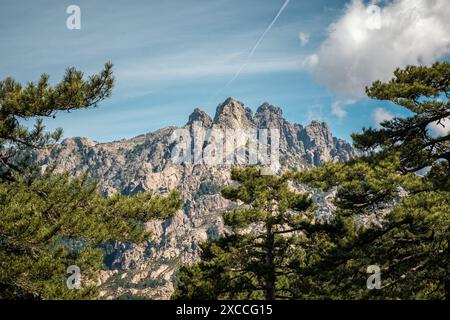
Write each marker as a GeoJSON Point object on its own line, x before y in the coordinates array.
{"type": "Point", "coordinates": [144, 163]}
{"type": "Point", "coordinates": [233, 114]}
{"type": "Point", "coordinates": [201, 116]}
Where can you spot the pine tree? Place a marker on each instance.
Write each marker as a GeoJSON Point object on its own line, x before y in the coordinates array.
{"type": "Point", "coordinates": [50, 221]}
{"type": "Point", "coordinates": [402, 185]}
{"type": "Point", "coordinates": [38, 100]}
{"type": "Point", "coordinates": [263, 247]}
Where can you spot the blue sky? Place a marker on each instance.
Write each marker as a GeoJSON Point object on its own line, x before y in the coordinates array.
{"type": "Point", "coordinates": [172, 56]}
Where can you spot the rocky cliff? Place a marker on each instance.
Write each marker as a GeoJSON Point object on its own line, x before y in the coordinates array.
{"type": "Point", "coordinates": [144, 163]}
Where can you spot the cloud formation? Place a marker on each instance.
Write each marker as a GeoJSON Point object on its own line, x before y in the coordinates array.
{"type": "Point", "coordinates": [442, 128]}
{"type": "Point", "coordinates": [337, 108]}
{"type": "Point", "coordinates": [380, 115]}
{"type": "Point", "coordinates": [304, 38]}
{"type": "Point", "coordinates": [367, 43]}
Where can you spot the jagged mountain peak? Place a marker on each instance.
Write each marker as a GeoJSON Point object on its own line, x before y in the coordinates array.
{"type": "Point", "coordinates": [318, 134]}
{"type": "Point", "coordinates": [78, 142]}
{"type": "Point", "coordinates": [233, 114]}
{"type": "Point", "coordinates": [318, 124]}
{"type": "Point", "coordinates": [267, 108]}
{"type": "Point", "coordinates": [144, 163]}
{"type": "Point", "coordinates": [268, 115]}
{"type": "Point", "coordinates": [200, 115]}
{"type": "Point", "coordinates": [319, 128]}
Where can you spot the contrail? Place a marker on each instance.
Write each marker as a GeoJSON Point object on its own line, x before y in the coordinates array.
{"type": "Point", "coordinates": [258, 42]}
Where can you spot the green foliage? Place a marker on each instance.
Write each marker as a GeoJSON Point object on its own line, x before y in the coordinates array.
{"type": "Point", "coordinates": [51, 221]}
{"type": "Point", "coordinates": [425, 92]}
{"type": "Point", "coordinates": [410, 212]}
{"type": "Point", "coordinates": [392, 211]}
{"type": "Point", "coordinates": [256, 262]}
{"type": "Point", "coordinates": [18, 103]}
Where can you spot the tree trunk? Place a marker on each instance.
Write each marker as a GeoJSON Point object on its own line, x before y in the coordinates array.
{"type": "Point", "coordinates": [447, 289]}
{"type": "Point", "coordinates": [447, 280]}
{"type": "Point", "coordinates": [270, 276]}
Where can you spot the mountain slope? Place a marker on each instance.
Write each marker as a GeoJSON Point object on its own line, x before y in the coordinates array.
{"type": "Point", "coordinates": [144, 163]}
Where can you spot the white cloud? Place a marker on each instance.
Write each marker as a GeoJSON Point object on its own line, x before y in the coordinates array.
{"type": "Point", "coordinates": [380, 115]}
{"type": "Point", "coordinates": [337, 108]}
{"type": "Point", "coordinates": [304, 38]}
{"type": "Point", "coordinates": [441, 129]}
{"type": "Point", "coordinates": [363, 46]}
{"type": "Point", "coordinates": [310, 61]}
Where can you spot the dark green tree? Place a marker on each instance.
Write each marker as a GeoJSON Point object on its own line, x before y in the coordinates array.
{"type": "Point", "coordinates": [37, 100]}
{"type": "Point", "coordinates": [393, 203]}
{"type": "Point", "coordinates": [263, 246]}
{"type": "Point", "coordinates": [50, 221]}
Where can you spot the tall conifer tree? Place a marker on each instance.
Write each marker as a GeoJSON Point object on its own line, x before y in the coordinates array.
{"type": "Point", "coordinates": [49, 221]}
{"type": "Point", "coordinates": [258, 257]}
{"type": "Point", "coordinates": [402, 185]}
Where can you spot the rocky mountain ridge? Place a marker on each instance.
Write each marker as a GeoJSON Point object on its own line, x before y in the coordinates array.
{"type": "Point", "coordinates": [144, 163]}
